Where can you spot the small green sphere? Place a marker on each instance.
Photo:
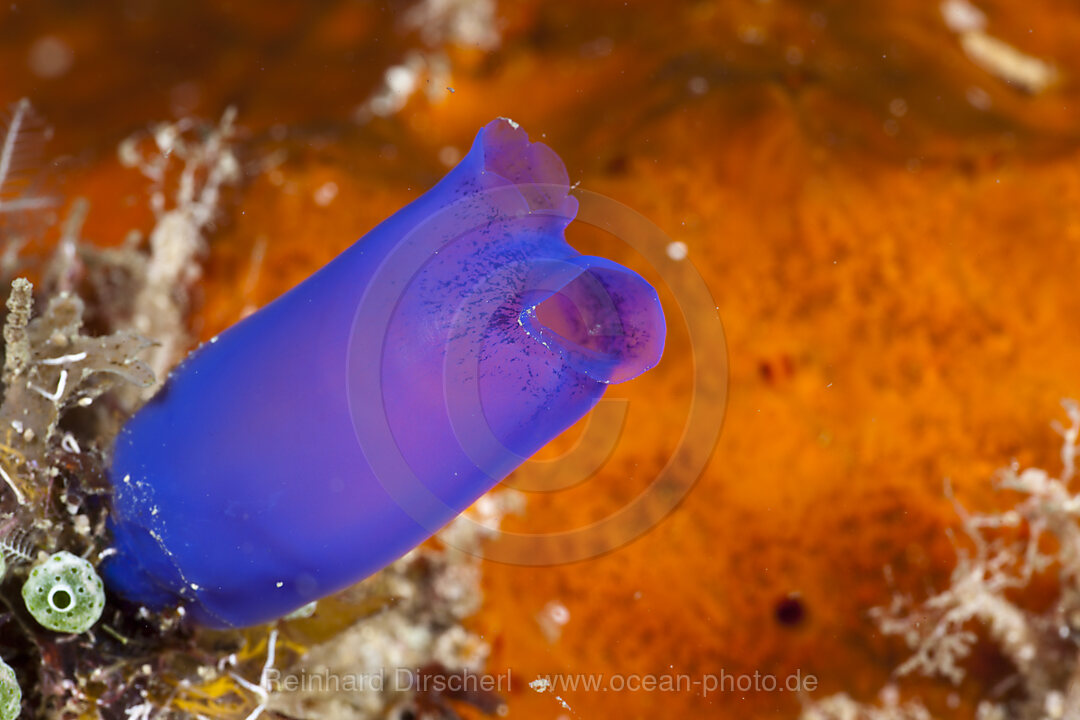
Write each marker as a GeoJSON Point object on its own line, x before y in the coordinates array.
{"type": "Point", "coordinates": [64, 593]}
{"type": "Point", "coordinates": [10, 693]}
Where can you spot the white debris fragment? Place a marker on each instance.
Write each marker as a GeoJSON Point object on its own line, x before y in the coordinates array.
{"type": "Point", "coordinates": [1006, 62]}
{"type": "Point", "coordinates": [961, 16]}
{"type": "Point", "coordinates": [540, 685]}
{"type": "Point", "coordinates": [677, 250]}
{"type": "Point", "coordinates": [552, 618]}
{"type": "Point", "coordinates": [993, 55]}
{"type": "Point", "coordinates": [325, 193]}
{"type": "Point", "coordinates": [399, 83]}
{"type": "Point", "coordinates": [449, 156]}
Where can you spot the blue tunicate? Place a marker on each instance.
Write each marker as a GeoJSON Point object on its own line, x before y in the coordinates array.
{"type": "Point", "coordinates": [325, 435]}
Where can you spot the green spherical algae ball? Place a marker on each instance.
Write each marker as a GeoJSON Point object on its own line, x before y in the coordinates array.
{"type": "Point", "coordinates": [10, 693]}
{"type": "Point", "coordinates": [64, 593]}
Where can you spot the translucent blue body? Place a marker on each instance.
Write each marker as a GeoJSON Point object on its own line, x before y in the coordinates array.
{"type": "Point", "coordinates": [324, 436]}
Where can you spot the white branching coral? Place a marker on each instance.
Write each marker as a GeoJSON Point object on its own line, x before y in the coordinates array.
{"type": "Point", "coordinates": [401, 81]}
{"type": "Point", "coordinates": [177, 242]}
{"type": "Point", "coordinates": [440, 23]}
{"type": "Point", "coordinates": [469, 23]}
{"type": "Point", "coordinates": [1040, 534]}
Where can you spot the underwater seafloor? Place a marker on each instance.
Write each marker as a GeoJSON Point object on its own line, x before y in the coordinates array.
{"type": "Point", "coordinates": [883, 200]}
